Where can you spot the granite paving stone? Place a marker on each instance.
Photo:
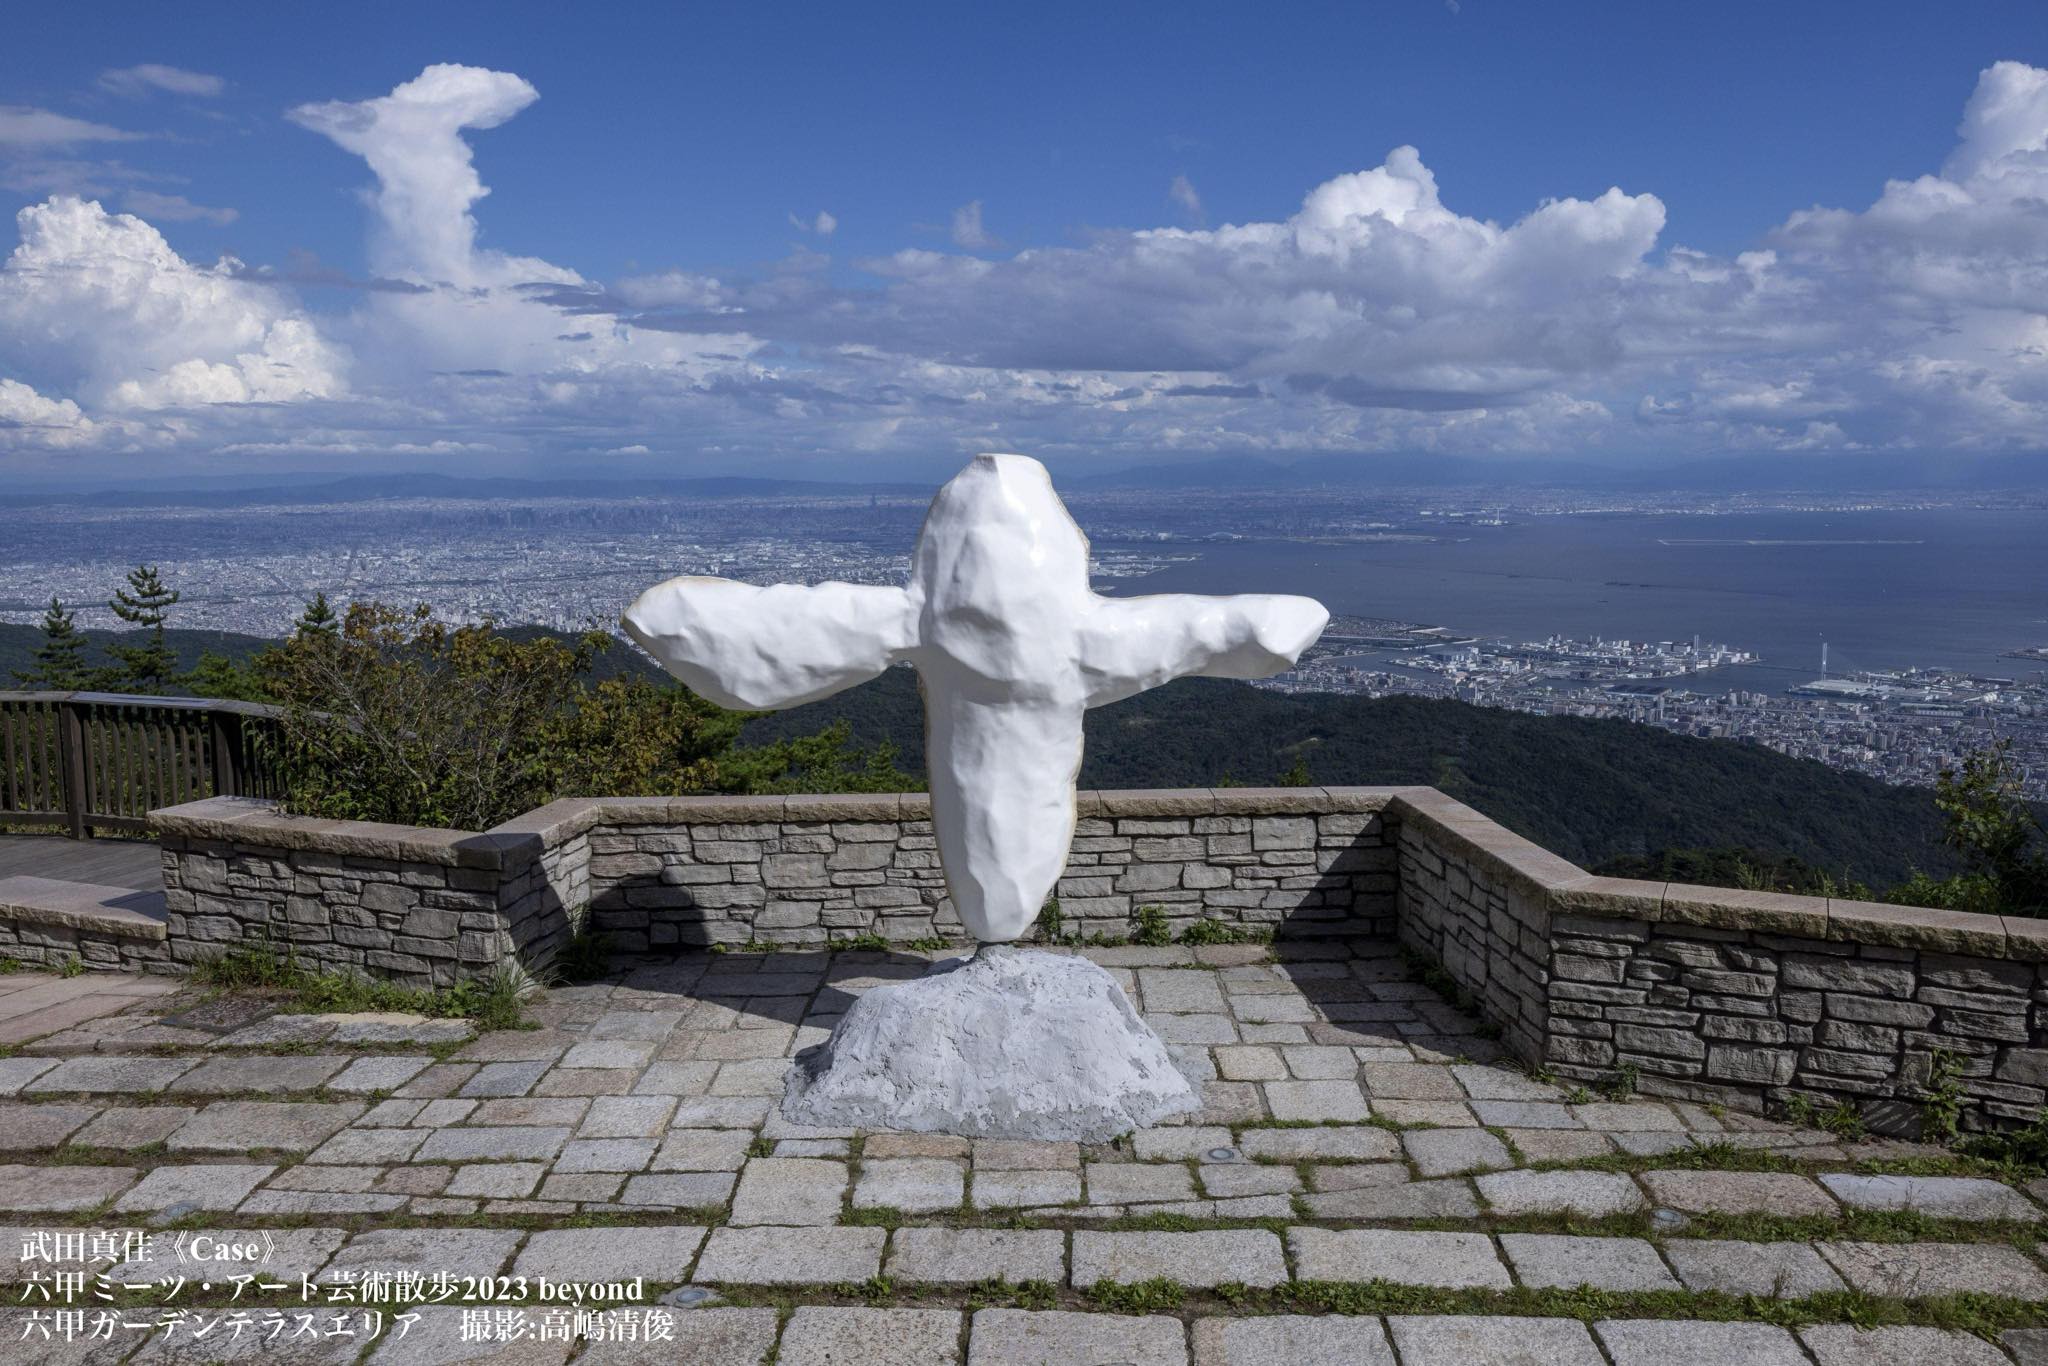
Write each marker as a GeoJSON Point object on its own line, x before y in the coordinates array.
{"type": "Point", "coordinates": [1586, 1194]}
{"type": "Point", "coordinates": [1122, 1183]}
{"type": "Point", "coordinates": [609, 1053]}
{"type": "Point", "coordinates": [818, 1335]}
{"type": "Point", "coordinates": [1246, 1256]}
{"type": "Point", "coordinates": [259, 1073]}
{"type": "Point", "coordinates": [1780, 1270]}
{"type": "Point", "coordinates": [704, 1337]}
{"type": "Point", "coordinates": [1839, 1344]}
{"type": "Point", "coordinates": [17, 1073]}
{"type": "Point", "coordinates": [1445, 1260]}
{"type": "Point", "coordinates": [424, 1251]}
{"type": "Point", "coordinates": [133, 1126]}
{"type": "Point", "coordinates": [1438, 1114]}
{"type": "Point", "coordinates": [1923, 1269]}
{"type": "Point", "coordinates": [790, 1190]}
{"type": "Point", "coordinates": [1499, 1083]}
{"type": "Point", "coordinates": [791, 1256]}
{"type": "Point", "coordinates": [627, 1117]}
{"type": "Point", "coordinates": [1024, 1189]}
{"type": "Point", "coordinates": [1709, 1192]}
{"type": "Point", "coordinates": [1524, 1114]}
{"type": "Point", "coordinates": [1450, 1152]}
{"type": "Point", "coordinates": [272, 1200]}
{"type": "Point", "coordinates": [202, 1185]}
{"type": "Point", "coordinates": [233, 1126]}
{"type": "Point", "coordinates": [1014, 1155]}
{"type": "Point", "coordinates": [107, 1075]}
{"type": "Point", "coordinates": [1677, 1342]}
{"type": "Point", "coordinates": [1564, 1262]}
{"type": "Point", "coordinates": [27, 1128]}
{"type": "Point", "coordinates": [679, 1190]}
{"type": "Point", "coordinates": [1636, 1116]}
{"type": "Point", "coordinates": [514, 1110]}
{"type": "Point", "coordinates": [1409, 1081]}
{"type": "Point", "coordinates": [881, 1146]}
{"type": "Point", "coordinates": [2029, 1346]}
{"type": "Point", "coordinates": [201, 1341]}
{"type": "Point", "coordinates": [1492, 1340]}
{"type": "Point", "coordinates": [1317, 1100]}
{"type": "Point", "coordinates": [703, 1150]}
{"type": "Point", "coordinates": [511, 1142]}
{"type": "Point", "coordinates": [1250, 1062]}
{"type": "Point", "coordinates": [1448, 1199]}
{"type": "Point", "coordinates": [1246, 1178]}
{"type": "Point", "coordinates": [504, 1078]}
{"type": "Point", "coordinates": [1022, 1337]}
{"type": "Point", "coordinates": [576, 1187]}
{"type": "Point", "coordinates": [385, 1073]}
{"type": "Point", "coordinates": [656, 1252]}
{"type": "Point", "coordinates": [61, 1188]}
{"type": "Point", "coordinates": [370, 1145]}
{"type": "Point", "coordinates": [1301, 1145]}
{"type": "Point", "coordinates": [605, 1155]}
{"type": "Point", "coordinates": [914, 1184]}
{"type": "Point", "coordinates": [964, 1256]}
{"type": "Point", "coordinates": [1942, 1197]}
{"type": "Point", "coordinates": [1292, 1340]}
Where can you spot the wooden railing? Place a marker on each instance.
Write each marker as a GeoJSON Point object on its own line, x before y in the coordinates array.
{"type": "Point", "coordinates": [86, 761]}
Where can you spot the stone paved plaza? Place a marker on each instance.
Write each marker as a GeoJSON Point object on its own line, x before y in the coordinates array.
{"type": "Point", "coordinates": [1367, 1182]}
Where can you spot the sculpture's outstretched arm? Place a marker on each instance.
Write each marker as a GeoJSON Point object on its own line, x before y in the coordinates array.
{"type": "Point", "coordinates": [1131, 644]}
{"type": "Point", "coordinates": [761, 649]}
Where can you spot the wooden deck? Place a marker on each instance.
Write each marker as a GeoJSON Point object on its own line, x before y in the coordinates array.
{"type": "Point", "coordinates": [136, 864]}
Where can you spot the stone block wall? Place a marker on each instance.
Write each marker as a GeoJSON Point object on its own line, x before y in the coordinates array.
{"type": "Point", "coordinates": [425, 906]}
{"type": "Point", "coordinates": [1755, 1000]}
{"type": "Point", "coordinates": [805, 871]}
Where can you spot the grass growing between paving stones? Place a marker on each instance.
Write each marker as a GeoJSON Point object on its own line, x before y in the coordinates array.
{"type": "Point", "coordinates": [257, 966]}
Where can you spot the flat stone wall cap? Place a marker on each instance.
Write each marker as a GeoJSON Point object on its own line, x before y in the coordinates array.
{"type": "Point", "coordinates": [555, 823]}
{"type": "Point", "coordinates": [1916, 927]}
{"type": "Point", "coordinates": [717, 809]}
{"type": "Point", "coordinates": [1429, 802]}
{"type": "Point", "coordinates": [121, 912]}
{"type": "Point", "coordinates": [1361, 798]}
{"type": "Point", "coordinates": [367, 839]}
{"type": "Point", "coordinates": [210, 817]}
{"type": "Point", "coordinates": [1625, 898]}
{"type": "Point", "coordinates": [915, 806]}
{"type": "Point", "coordinates": [843, 806]}
{"type": "Point", "coordinates": [2026, 938]}
{"type": "Point", "coordinates": [1270, 801]}
{"type": "Point", "coordinates": [1735, 908]}
{"type": "Point", "coordinates": [494, 849]}
{"type": "Point", "coordinates": [1158, 803]}
{"type": "Point", "coordinates": [1492, 846]}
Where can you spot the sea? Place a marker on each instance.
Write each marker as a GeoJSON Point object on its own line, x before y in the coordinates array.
{"type": "Point", "coordinates": [1884, 589]}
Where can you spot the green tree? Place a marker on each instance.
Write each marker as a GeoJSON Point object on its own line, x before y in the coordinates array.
{"type": "Point", "coordinates": [1297, 774]}
{"type": "Point", "coordinates": [217, 676]}
{"type": "Point", "coordinates": [60, 659]}
{"type": "Point", "coordinates": [318, 618]}
{"type": "Point", "coordinates": [147, 667]}
{"type": "Point", "coordinates": [1987, 820]}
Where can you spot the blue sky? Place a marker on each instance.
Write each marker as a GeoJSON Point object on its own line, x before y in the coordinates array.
{"type": "Point", "coordinates": [1078, 230]}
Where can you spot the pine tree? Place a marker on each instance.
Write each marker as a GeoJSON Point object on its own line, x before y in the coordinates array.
{"type": "Point", "coordinates": [148, 667]}
{"type": "Point", "coordinates": [60, 659]}
{"type": "Point", "coordinates": [318, 618]}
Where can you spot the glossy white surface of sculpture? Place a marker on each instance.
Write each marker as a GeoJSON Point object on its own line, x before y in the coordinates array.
{"type": "Point", "coordinates": [1012, 647]}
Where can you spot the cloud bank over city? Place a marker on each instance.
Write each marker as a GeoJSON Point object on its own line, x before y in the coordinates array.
{"type": "Point", "coordinates": [1374, 316]}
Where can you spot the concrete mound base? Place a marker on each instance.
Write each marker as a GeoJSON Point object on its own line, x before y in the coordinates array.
{"type": "Point", "coordinates": [1011, 1043]}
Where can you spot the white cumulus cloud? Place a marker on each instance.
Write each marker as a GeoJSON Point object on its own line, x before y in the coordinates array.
{"type": "Point", "coordinates": [98, 306]}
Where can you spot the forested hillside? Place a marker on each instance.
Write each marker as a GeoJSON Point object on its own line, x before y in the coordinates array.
{"type": "Point", "coordinates": [1588, 790]}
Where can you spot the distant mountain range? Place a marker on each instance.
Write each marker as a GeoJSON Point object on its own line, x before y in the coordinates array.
{"type": "Point", "coordinates": [1731, 474]}
{"type": "Point", "coordinates": [1587, 790]}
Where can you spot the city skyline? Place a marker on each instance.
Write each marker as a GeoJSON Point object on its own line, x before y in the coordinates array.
{"type": "Point", "coordinates": [539, 253]}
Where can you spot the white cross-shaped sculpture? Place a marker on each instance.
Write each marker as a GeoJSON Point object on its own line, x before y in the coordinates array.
{"type": "Point", "coordinates": [1012, 647]}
